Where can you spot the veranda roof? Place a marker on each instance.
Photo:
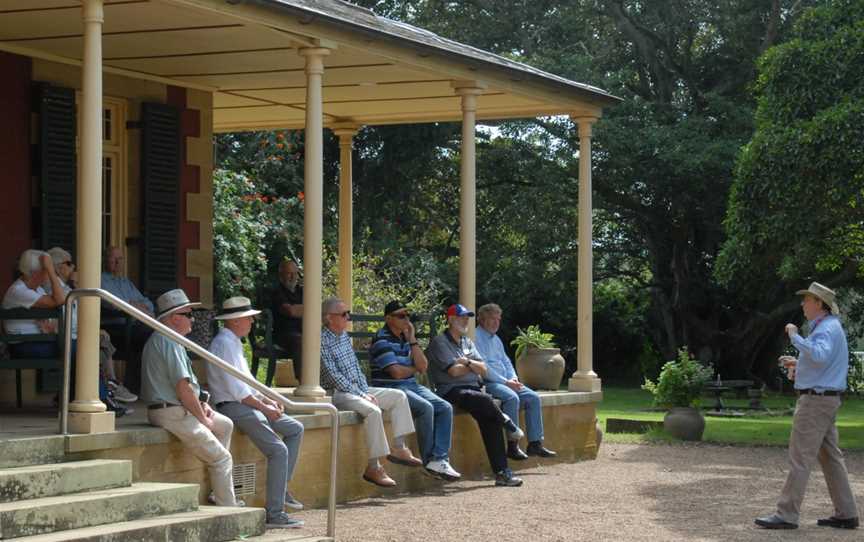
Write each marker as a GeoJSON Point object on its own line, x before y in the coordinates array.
{"type": "Point", "coordinates": [246, 51]}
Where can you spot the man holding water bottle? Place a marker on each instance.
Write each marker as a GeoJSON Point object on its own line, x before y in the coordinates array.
{"type": "Point", "coordinates": [819, 374]}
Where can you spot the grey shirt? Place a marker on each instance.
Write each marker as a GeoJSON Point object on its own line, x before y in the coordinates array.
{"type": "Point", "coordinates": [442, 353]}
{"type": "Point", "coordinates": [163, 364]}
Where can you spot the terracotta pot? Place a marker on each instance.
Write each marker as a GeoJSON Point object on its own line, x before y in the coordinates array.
{"type": "Point", "coordinates": [541, 368]}
{"type": "Point", "coordinates": [685, 423]}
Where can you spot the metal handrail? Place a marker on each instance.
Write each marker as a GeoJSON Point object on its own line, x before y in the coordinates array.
{"type": "Point", "coordinates": [209, 358]}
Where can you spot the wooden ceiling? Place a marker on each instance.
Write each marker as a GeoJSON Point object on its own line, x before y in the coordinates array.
{"type": "Point", "coordinates": [254, 68]}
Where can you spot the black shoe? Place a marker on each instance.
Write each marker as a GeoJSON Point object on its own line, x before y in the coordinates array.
{"type": "Point", "coordinates": [837, 523]}
{"type": "Point", "coordinates": [774, 522]}
{"type": "Point", "coordinates": [514, 452]}
{"type": "Point", "coordinates": [536, 448]}
{"type": "Point", "coordinates": [506, 478]}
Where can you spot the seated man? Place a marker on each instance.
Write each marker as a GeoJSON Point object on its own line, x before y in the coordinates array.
{"type": "Point", "coordinates": [503, 384]}
{"type": "Point", "coordinates": [36, 268]}
{"type": "Point", "coordinates": [395, 357]}
{"type": "Point", "coordinates": [340, 372]}
{"type": "Point", "coordinates": [65, 269]}
{"type": "Point", "coordinates": [176, 401]}
{"type": "Point", "coordinates": [114, 282]}
{"type": "Point", "coordinates": [261, 418]}
{"type": "Point", "coordinates": [287, 307]}
{"type": "Point", "coordinates": [457, 369]}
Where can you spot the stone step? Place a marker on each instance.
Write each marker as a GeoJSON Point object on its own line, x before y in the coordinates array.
{"type": "Point", "coordinates": [37, 481]}
{"type": "Point", "coordinates": [52, 514]}
{"type": "Point", "coordinates": [207, 524]}
{"type": "Point", "coordinates": [285, 535]}
{"type": "Point", "coordinates": [21, 452]}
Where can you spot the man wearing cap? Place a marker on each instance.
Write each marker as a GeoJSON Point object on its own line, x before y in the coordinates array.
{"type": "Point", "coordinates": [341, 373]}
{"type": "Point", "coordinates": [175, 399]}
{"type": "Point", "coordinates": [503, 384]}
{"type": "Point", "coordinates": [261, 418]}
{"type": "Point", "coordinates": [457, 370]}
{"type": "Point", "coordinates": [395, 358]}
{"type": "Point", "coordinates": [820, 380]}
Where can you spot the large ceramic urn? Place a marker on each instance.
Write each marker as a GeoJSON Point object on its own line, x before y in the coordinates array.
{"type": "Point", "coordinates": [685, 423]}
{"type": "Point", "coordinates": [541, 368]}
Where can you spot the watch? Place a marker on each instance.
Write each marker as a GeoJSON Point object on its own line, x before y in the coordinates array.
{"type": "Point", "coordinates": [415, 343]}
{"type": "Point", "coordinates": [468, 364]}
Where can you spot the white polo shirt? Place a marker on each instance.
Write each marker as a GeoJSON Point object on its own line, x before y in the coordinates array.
{"type": "Point", "coordinates": [21, 296]}
{"type": "Point", "coordinates": [223, 386]}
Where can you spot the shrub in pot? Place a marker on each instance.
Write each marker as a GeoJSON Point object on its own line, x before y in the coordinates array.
{"type": "Point", "coordinates": [538, 361]}
{"type": "Point", "coordinates": [679, 388]}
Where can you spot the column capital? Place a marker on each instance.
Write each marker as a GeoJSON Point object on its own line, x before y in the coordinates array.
{"type": "Point", "coordinates": [345, 131]}
{"type": "Point", "coordinates": [93, 11]}
{"type": "Point", "coordinates": [314, 59]}
{"type": "Point", "coordinates": [463, 88]}
{"type": "Point", "coordinates": [585, 123]}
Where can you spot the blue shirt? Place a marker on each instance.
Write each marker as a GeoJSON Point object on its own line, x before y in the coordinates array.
{"type": "Point", "coordinates": [499, 368]}
{"type": "Point", "coordinates": [386, 350]}
{"type": "Point", "coordinates": [123, 288]}
{"type": "Point", "coordinates": [823, 357]}
{"type": "Point", "coordinates": [163, 364]}
{"type": "Point", "coordinates": [340, 368]}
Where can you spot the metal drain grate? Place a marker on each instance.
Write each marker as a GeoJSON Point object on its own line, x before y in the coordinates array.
{"type": "Point", "coordinates": [244, 479]}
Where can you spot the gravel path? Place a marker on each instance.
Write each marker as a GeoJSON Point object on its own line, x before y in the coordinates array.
{"type": "Point", "coordinates": [631, 492]}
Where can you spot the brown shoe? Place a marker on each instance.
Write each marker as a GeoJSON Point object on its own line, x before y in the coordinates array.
{"type": "Point", "coordinates": [378, 477]}
{"type": "Point", "coordinates": [403, 456]}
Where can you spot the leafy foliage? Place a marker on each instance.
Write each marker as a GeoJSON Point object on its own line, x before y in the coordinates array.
{"type": "Point", "coordinates": [680, 382]}
{"type": "Point", "coordinates": [531, 337]}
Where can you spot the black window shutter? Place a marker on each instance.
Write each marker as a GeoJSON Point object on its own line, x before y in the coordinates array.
{"type": "Point", "coordinates": [160, 178]}
{"type": "Point", "coordinates": [57, 166]}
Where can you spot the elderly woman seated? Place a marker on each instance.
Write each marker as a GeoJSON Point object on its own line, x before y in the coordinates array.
{"type": "Point", "coordinates": [36, 268]}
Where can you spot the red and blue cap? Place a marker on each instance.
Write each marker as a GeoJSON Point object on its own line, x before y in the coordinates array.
{"type": "Point", "coordinates": [459, 310]}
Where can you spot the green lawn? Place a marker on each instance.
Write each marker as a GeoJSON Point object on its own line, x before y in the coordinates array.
{"type": "Point", "coordinates": [761, 429]}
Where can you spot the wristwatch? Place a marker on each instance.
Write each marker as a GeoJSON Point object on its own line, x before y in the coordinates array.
{"type": "Point", "coordinates": [468, 364]}
{"type": "Point", "coordinates": [415, 343]}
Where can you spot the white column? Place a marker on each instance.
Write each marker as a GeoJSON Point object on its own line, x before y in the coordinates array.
{"type": "Point", "coordinates": [87, 412]}
{"type": "Point", "coordinates": [346, 212]}
{"type": "Point", "coordinates": [468, 200]}
{"type": "Point", "coordinates": [313, 225]}
{"type": "Point", "coordinates": [585, 379]}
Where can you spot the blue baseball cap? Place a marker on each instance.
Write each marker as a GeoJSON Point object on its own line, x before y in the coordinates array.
{"type": "Point", "coordinates": [459, 310]}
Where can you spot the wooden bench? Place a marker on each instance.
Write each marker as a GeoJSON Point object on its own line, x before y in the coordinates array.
{"type": "Point", "coordinates": [365, 327]}
{"type": "Point", "coordinates": [18, 364]}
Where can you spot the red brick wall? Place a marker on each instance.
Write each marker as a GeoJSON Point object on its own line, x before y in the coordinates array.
{"type": "Point", "coordinates": [188, 237]}
{"type": "Point", "coordinates": [15, 181]}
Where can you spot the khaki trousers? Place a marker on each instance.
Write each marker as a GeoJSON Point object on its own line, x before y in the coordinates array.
{"type": "Point", "coordinates": [393, 401]}
{"type": "Point", "coordinates": [210, 447]}
{"type": "Point", "coordinates": [814, 437]}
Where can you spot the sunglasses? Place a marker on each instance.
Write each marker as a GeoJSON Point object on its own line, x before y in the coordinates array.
{"type": "Point", "coordinates": [187, 314]}
{"type": "Point", "coordinates": [346, 314]}
{"type": "Point", "coordinates": [68, 262]}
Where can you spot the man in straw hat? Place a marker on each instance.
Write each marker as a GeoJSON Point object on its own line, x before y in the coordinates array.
{"type": "Point", "coordinates": [820, 380]}
{"type": "Point", "coordinates": [175, 399]}
{"type": "Point", "coordinates": [261, 418]}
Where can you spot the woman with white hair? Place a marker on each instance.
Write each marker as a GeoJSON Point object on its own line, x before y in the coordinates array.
{"type": "Point", "coordinates": [36, 268]}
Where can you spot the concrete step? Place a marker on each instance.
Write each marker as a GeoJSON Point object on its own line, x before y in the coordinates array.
{"type": "Point", "coordinates": [52, 514]}
{"type": "Point", "coordinates": [31, 451]}
{"type": "Point", "coordinates": [37, 481]}
{"type": "Point", "coordinates": [207, 524]}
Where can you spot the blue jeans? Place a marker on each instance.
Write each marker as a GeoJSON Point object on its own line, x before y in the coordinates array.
{"type": "Point", "coordinates": [279, 441]}
{"type": "Point", "coordinates": [510, 403]}
{"type": "Point", "coordinates": [433, 418]}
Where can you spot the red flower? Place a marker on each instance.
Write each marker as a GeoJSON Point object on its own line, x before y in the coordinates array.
{"type": "Point", "coordinates": [301, 196]}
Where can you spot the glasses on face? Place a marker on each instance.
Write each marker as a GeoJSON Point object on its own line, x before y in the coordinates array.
{"type": "Point", "coordinates": [69, 263]}
{"type": "Point", "coordinates": [187, 314]}
{"type": "Point", "coordinates": [345, 314]}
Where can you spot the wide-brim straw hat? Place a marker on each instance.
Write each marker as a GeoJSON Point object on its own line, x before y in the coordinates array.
{"type": "Point", "coordinates": [236, 307]}
{"type": "Point", "coordinates": [824, 293]}
{"type": "Point", "coordinates": [171, 302]}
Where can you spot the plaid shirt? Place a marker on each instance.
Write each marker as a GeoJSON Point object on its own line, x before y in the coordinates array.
{"type": "Point", "coordinates": [340, 368]}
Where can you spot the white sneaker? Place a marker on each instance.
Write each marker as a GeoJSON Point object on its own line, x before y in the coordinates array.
{"type": "Point", "coordinates": [121, 393]}
{"type": "Point", "coordinates": [440, 468]}
{"type": "Point", "coordinates": [291, 502]}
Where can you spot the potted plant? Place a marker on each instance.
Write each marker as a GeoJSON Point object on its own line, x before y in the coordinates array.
{"type": "Point", "coordinates": [538, 361]}
{"type": "Point", "coordinates": [679, 387]}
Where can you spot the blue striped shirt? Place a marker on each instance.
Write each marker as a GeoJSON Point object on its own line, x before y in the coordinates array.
{"type": "Point", "coordinates": [386, 350]}
{"type": "Point", "coordinates": [823, 357]}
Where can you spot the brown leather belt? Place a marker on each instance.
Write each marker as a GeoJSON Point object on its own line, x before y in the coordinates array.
{"type": "Point", "coordinates": [157, 406]}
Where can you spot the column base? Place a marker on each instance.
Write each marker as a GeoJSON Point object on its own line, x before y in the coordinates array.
{"type": "Point", "coordinates": [583, 383]}
{"type": "Point", "coordinates": [91, 422]}
{"type": "Point", "coordinates": [291, 393]}
{"type": "Point", "coordinates": [308, 392]}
